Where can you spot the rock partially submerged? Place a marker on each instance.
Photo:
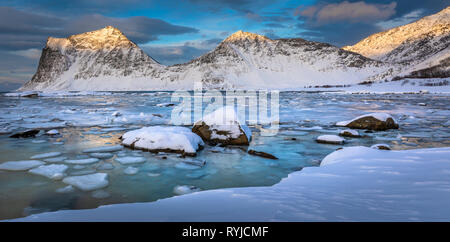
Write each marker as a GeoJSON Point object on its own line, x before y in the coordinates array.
{"type": "Point", "coordinates": [88, 182]}
{"type": "Point", "coordinates": [163, 139]}
{"type": "Point", "coordinates": [26, 134]}
{"type": "Point", "coordinates": [223, 127]}
{"type": "Point", "coordinates": [372, 121]}
{"type": "Point", "coordinates": [330, 139]}
{"type": "Point", "coordinates": [262, 154]}
{"type": "Point", "coordinates": [350, 133]}
{"type": "Point", "coordinates": [381, 147]}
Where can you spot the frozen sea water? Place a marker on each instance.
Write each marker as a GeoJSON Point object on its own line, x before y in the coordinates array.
{"type": "Point", "coordinates": [86, 123]}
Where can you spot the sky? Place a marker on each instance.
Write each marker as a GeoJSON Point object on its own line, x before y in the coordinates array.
{"type": "Point", "coordinates": [176, 31]}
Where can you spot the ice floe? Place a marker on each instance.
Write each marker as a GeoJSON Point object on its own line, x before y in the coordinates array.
{"type": "Point", "coordinates": [130, 160]}
{"type": "Point", "coordinates": [66, 189]}
{"type": "Point", "coordinates": [88, 182]}
{"type": "Point", "coordinates": [46, 155]}
{"type": "Point", "coordinates": [20, 165]}
{"type": "Point", "coordinates": [56, 159]}
{"type": "Point", "coordinates": [53, 171]}
{"type": "Point", "coordinates": [110, 148]}
{"type": "Point", "coordinates": [131, 170]}
{"type": "Point", "coordinates": [101, 155]}
{"type": "Point", "coordinates": [82, 161]}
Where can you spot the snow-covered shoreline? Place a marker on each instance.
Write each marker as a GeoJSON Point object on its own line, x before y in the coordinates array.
{"type": "Point", "coordinates": [393, 87]}
{"type": "Point", "coordinates": [352, 184]}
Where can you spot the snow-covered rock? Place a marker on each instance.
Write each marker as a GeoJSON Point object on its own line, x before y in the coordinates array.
{"type": "Point", "coordinates": [223, 126]}
{"type": "Point", "coordinates": [381, 147]}
{"type": "Point", "coordinates": [88, 182]}
{"type": "Point", "coordinates": [20, 165]}
{"type": "Point", "coordinates": [53, 171]}
{"type": "Point", "coordinates": [330, 139]}
{"type": "Point", "coordinates": [372, 121]}
{"type": "Point", "coordinates": [163, 139]}
{"type": "Point", "coordinates": [52, 132]}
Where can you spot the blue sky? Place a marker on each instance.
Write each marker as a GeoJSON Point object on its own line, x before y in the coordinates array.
{"type": "Point", "coordinates": [176, 31]}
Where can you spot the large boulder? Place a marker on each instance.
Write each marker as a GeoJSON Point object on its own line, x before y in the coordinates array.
{"type": "Point", "coordinates": [163, 139]}
{"type": "Point", "coordinates": [223, 127]}
{"type": "Point", "coordinates": [372, 121]}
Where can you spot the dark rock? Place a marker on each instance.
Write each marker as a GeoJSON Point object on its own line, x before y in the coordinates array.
{"type": "Point", "coordinates": [262, 154]}
{"type": "Point", "coordinates": [347, 133]}
{"type": "Point", "coordinates": [26, 134]}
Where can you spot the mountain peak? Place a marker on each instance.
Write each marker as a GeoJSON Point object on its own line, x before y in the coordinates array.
{"type": "Point", "coordinates": [108, 37]}
{"type": "Point", "coordinates": [241, 35]}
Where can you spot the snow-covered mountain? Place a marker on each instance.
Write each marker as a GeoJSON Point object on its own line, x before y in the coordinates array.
{"type": "Point", "coordinates": [422, 48]}
{"type": "Point", "coordinates": [102, 53]}
{"type": "Point", "coordinates": [106, 60]}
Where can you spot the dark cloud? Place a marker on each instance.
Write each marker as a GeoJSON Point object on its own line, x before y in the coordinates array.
{"type": "Point", "coordinates": [72, 7]}
{"type": "Point", "coordinates": [354, 12]}
{"type": "Point", "coordinates": [31, 30]}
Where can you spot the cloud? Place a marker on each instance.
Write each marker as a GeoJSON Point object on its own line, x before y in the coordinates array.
{"type": "Point", "coordinates": [31, 30]}
{"type": "Point", "coordinates": [405, 19]}
{"type": "Point", "coordinates": [347, 12]}
{"type": "Point", "coordinates": [178, 54]}
{"type": "Point", "coordinates": [139, 29]}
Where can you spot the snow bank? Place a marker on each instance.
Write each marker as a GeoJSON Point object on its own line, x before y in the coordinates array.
{"type": "Point", "coordinates": [156, 138]}
{"type": "Point", "coordinates": [352, 184]}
